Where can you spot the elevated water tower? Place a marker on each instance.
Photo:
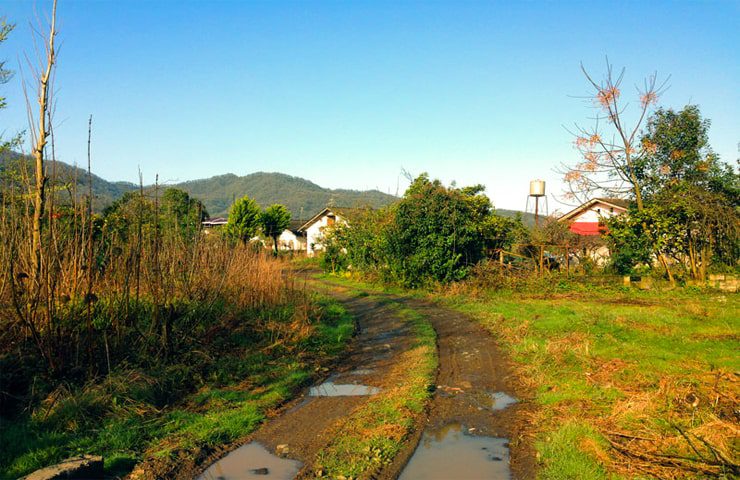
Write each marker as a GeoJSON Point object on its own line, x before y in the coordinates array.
{"type": "Point", "coordinates": [536, 192]}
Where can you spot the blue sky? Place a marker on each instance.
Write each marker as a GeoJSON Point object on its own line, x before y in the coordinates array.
{"type": "Point", "coordinates": [347, 93]}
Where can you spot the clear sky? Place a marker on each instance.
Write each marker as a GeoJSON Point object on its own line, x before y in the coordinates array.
{"type": "Point", "coordinates": [347, 93]}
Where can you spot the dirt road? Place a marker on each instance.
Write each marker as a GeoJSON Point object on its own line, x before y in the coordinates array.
{"type": "Point", "coordinates": [470, 412]}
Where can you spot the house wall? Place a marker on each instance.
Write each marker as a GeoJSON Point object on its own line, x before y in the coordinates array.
{"type": "Point", "coordinates": [314, 233]}
{"type": "Point", "coordinates": [290, 241]}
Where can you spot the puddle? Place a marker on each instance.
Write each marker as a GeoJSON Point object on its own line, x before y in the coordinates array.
{"type": "Point", "coordinates": [331, 389]}
{"type": "Point", "coordinates": [482, 400]}
{"type": "Point", "coordinates": [252, 461]}
{"type": "Point", "coordinates": [450, 452]}
{"type": "Point", "coordinates": [501, 400]}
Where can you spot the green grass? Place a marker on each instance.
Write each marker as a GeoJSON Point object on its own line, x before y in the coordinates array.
{"type": "Point", "coordinates": [374, 433]}
{"type": "Point", "coordinates": [588, 356]}
{"type": "Point", "coordinates": [117, 419]}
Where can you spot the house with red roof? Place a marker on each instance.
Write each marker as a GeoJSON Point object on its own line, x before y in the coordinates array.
{"type": "Point", "coordinates": [588, 219]}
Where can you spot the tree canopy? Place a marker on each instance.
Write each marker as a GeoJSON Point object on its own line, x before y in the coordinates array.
{"type": "Point", "coordinates": [244, 219]}
{"type": "Point", "coordinates": [274, 220]}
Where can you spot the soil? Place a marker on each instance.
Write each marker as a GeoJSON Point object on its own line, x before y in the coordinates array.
{"type": "Point", "coordinates": [471, 370]}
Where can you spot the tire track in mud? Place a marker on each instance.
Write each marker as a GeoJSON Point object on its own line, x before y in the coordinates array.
{"type": "Point", "coordinates": [470, 405]}
{"type": "Point", "coordinates": [475, 424]}
{"type": "Point", "coordinates": [304, 426]}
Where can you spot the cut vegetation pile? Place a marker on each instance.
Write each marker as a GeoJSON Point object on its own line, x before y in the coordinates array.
{"type": "Point", "coordinates": [641, 384]}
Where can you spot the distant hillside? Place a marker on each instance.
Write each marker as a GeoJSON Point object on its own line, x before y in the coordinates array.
{"type": "Point", "coordinates": [104, 192]}
{"type": "Point", "coordinates": [527, 217]}
{"type": "Point", "coordinates": [302, 197]}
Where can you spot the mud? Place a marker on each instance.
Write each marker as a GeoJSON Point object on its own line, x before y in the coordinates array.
{"type": "Point", "coordinates": [304, 426]}
{"type": "Point", "coordinates": [474, 423]}
{"type": "Point", "coordinates": [475, 387]}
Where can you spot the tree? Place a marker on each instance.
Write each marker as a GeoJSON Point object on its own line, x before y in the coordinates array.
{"type": "Point", "coordinates": [436, 232]}
{"type": "Point", "coordinates": [182, 212]}
{"type": "Point", "coordinates": [274, 220]}
{"type": "Point", "coordinates": [691, 198]}
{"type": "Point", "coordinates": [244, 219]}
{"type": "Point", "coordinates": [40, 137]}
{"type": "Point", "coordinates": [611, 156]}
{"type": "Point", "coordinates": [678, 151]}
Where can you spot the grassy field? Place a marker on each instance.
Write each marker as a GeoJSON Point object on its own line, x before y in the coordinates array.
{"type": "Point", "coordinates": [629, 384]}
{"type": "Point", "coordinates": [247, 370]}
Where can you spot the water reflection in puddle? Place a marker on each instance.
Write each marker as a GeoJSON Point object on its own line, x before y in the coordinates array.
{"type": "Point", "coordinates": [450, 452]}
{"type": "Point", "coordinates": [500, 400]}
{"type": "Point", "coordinates": [331, 389]}
{"type": "Point", "coordinates": [252, 461]}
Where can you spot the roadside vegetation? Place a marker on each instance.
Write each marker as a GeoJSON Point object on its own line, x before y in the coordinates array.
{"type": "Point", "coordinates": [627, 382]}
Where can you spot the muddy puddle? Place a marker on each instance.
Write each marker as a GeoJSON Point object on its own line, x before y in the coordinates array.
{"type": "Point", "coordinates": [331, 389]}
{"type": "Point", "coordinates": [455, 452]}
{"type": "Point", "coordinates": [252, 461]}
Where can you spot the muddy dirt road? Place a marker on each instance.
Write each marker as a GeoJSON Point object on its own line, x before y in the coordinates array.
{"type": "Point", "coordinates": [469, 431]}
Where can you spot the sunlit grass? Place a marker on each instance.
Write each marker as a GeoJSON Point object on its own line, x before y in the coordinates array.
{"type": "Point", "coordinates": [617, 360]}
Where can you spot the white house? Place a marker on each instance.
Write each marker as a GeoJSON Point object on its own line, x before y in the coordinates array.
{"type": "Point", "coordinates": [313, 229]}
{"type": "Point", "coordinates": [292, 238]}
{"type": "Point", "coordinates": [588, 219]}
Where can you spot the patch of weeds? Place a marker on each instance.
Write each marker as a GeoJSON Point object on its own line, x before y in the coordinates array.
{"type": "Point", "coordinates": [205, 400]}
{"type": "Point", "coordinates": [571, 453]}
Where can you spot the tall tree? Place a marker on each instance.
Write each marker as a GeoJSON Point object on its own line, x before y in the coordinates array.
{"type": "Point", "coordinates": [274, 220]}
{"type": "Point", "coordinates": [244, 219]}
{"type": "Point", "coordinates": [40, 137]}
{"type": "Point", "coordinates": [678, 151]}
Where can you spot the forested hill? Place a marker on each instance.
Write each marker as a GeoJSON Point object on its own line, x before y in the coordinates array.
{"type": "Point", "coordinates": [65, 177]}
{"type": "Point", "coordinates": [302, 197]}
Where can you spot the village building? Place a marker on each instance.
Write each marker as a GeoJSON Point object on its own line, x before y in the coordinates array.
{"type": "Point", "coordinates": [211, 223]}
{"type": "Point", "coordinates": [588, 219]}
{"type": "Point", "coordinates": [314, 228]}
{"type": "Point", "coordinates": [292, 239]}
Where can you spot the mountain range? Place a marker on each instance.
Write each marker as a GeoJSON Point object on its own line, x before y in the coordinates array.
{"type": "Point", "coordinates": [302, 197]}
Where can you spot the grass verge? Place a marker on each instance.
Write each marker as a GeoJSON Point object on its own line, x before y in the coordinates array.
{"type": "Point", "coordinates": [252, 368]}
{"type": "Point", "coordinates": [629, 384]}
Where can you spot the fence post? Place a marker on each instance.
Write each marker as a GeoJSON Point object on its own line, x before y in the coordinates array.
{"type": "Point", "coordinates": [567, 260]}
{"type": "Point", "coordinates": [542, 260]}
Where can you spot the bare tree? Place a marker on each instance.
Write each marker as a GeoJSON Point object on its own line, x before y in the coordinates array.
{"type": "Point", "coordinates": [611, 150]}
{"type": "Point", "coordinates": [40, 138]}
